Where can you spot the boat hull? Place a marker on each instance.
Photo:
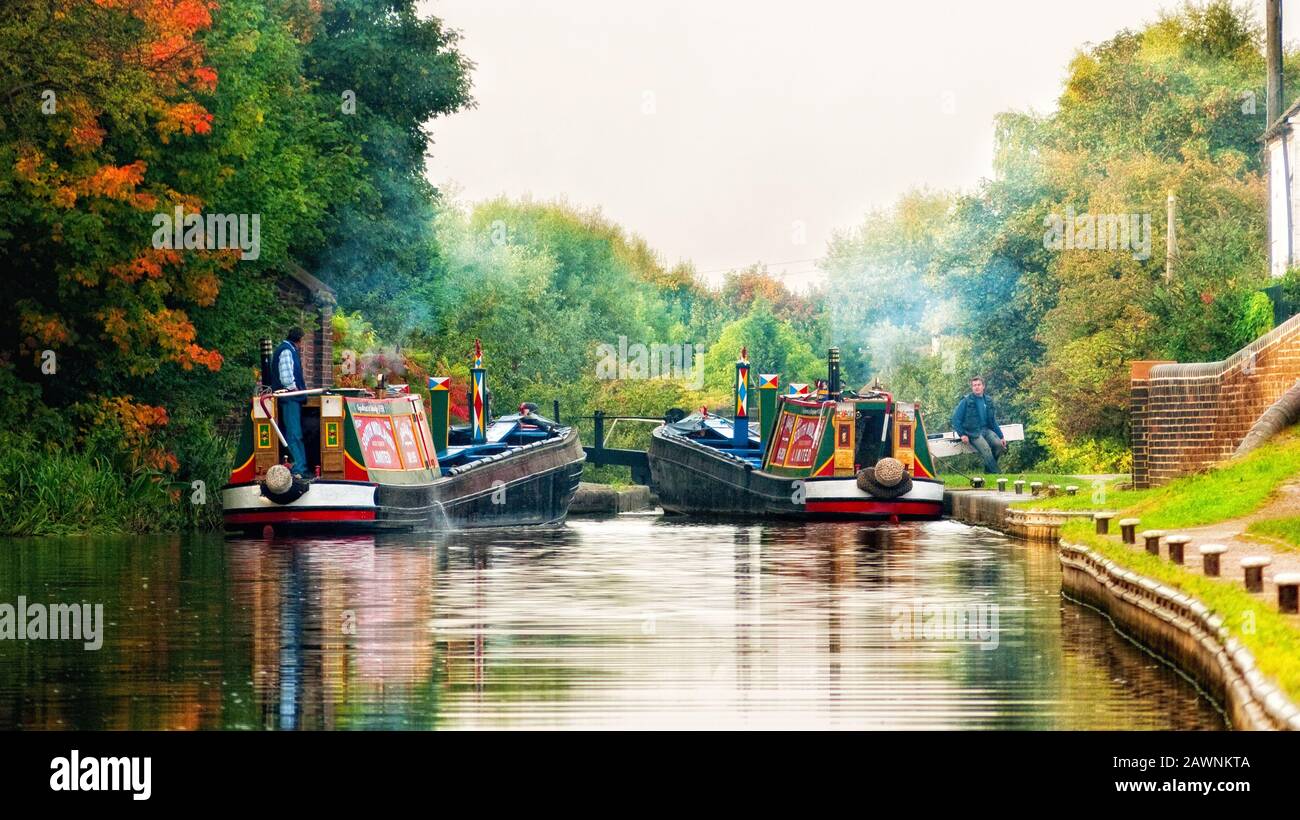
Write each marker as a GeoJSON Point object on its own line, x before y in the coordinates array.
{"type": "Point", "coordinates": [341, 505]}
{"type": "Point", "coordinates": [531, 486]}
{"type": "Point", "coordinates": [693, 479]}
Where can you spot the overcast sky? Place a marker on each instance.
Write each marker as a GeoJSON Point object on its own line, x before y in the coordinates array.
{"type": "Point", "coordinates": [727, 132]}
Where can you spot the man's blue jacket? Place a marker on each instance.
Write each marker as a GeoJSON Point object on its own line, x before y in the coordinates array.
{"type": "Point", "coordinates": [966, 418]}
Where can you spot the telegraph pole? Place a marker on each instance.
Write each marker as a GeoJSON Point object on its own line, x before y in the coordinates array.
{"type": "Point", "coordinates": [1273, 56]}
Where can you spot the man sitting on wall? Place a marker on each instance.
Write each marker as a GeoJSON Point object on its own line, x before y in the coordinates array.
{"type": "Point", "coordinates": [976, 421]}
{"type": "Point", "coordinates": [288, 376]}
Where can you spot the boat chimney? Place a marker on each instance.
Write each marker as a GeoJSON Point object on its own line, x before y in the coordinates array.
{"type": "Point", "coordinates": [740, 425]}
{"type": "Point", "coordinates": [439, 412]}
{"type": "Point", "coordinates": [267, 347]}
{"type": "Point", "coordinates": [478, 409]}
{"type": "Point", "coordinates": [833, 373]}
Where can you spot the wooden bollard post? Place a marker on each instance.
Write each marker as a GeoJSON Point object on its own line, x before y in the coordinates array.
{"type": "Point", "coordinates": [1128, 529]}
{"type": "Point", "coordinates": [1020, 486]}
{"type": "Point", "coordinates": [1253, 566]}
{"type": "Point", "coordinates": [1035, 487]}
{"type": "Point", "coordinates": [1152, 540]}
{"type": "Point", "coordinates": [1210, 555]}
{"type": "Point", "coordinates": [1002, 485]}
{"type": "Point", "coordinates": [1177, 546]}
{"type": "Point", "coordinates": [1103, 522]}
{"type": "Point", "coordinates": [1071, 489]}
{"type": "Point", "coordinates": [977, 482]}
{"type": "Point", "coordinates": [1288, 591]}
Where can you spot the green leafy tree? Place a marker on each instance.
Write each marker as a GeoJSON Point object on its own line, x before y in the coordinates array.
{"type": "Point", "coordinates": [773, 346]}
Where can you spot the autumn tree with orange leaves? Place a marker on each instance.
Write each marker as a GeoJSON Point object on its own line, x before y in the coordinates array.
{"type": "Point", "coordinates": [115, 111]}
{"type": "Point", "coordinates": [91, 94]}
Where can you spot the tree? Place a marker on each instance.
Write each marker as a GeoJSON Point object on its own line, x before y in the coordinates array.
{"type": "Point", "coordinates": [384, 72]}
{"type": "Point", "coordinates": [879, 284]}
{"type": "Point", "coordinates": [773, 347]}
{"type": "Point", "coordinates": [96, 94]}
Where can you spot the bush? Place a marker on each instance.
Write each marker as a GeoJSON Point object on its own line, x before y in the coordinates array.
{"type": "Point", "coordinates": [1256, 318]}
{"type": "Point", "coordinates": [62, 492]}
{"type": "Point", "coordinates": [1290, 284]}
{"type": "Point", "coordinates": [1079, 454]}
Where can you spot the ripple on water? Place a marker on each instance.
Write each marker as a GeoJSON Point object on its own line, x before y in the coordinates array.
{"type": "Point", "coordinates": [638, 621]}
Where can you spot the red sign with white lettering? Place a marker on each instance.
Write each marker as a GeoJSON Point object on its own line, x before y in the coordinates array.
{"type": "Point", "coordinates": [411, 456]}
{"type": "Point", "coordinates": [804, 442]}
{"type": "Point", "coordinates": [783, 439]}
{"type": "Point", "coordinates": [378, 442]}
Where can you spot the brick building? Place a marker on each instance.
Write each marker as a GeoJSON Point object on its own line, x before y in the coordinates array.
{"type": "Point", "coordinates": [1281, 142]}
{"type": "Point", "coordinates": [316, 302]}
{"type": "Point", "coordinates": [315, 305]}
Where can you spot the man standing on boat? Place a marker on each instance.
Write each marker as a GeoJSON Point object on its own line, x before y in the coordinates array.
{"type": "Point", "coordinates": [288, 376]}
{"type": "Point", "coordinates": [976, 421]}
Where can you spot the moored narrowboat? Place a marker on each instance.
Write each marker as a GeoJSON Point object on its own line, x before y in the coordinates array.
{"type": "Point", "coordinates": [829, 453]}
{"type": "Point", "coordinates": [379, 462]}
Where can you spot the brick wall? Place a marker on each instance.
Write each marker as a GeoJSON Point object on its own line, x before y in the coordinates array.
{"type": "Point", "coordinates": [1186, 417]}
{"type": "Point", "coordinates": [317, 347]}
{"type": "Point", "coordinates": [323, 344]}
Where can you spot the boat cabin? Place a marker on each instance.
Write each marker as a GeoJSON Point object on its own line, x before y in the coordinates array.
{"type": "Point", "coordinates": [815, 438]}
{"type": "Point", "coordinates": [348, 436]}
{"type": "Point", "coordinates": [807, 437]}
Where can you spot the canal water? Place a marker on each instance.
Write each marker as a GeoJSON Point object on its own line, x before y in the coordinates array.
{"type": "Point", "coordinates": [638, 621]}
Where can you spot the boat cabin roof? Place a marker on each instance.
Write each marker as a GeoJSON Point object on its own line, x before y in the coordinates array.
{"type": "Point", "coordinates": [504, 433]}
{"type": "Point", "coordinates": [718, 432]}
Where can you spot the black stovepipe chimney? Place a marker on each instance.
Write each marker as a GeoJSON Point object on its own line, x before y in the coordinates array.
{"type": "Point", "coordinates": [833, 372]}
{"type": "Point", "coordinates": [266, 363]}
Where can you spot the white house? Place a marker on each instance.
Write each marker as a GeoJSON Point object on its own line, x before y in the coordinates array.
{"type": "Point", "coordinates": [1281, 144]}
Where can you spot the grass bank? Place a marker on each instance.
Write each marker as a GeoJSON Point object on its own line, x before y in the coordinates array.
{"type": "Point", "coordinates": [70, 494]}
{"type": "Point", "coordinates": [1231, 490]}
{"type": "Point", "coordinates": [1091, 497]}
{"type": "Point", "coordinates": [1279, 533]}
{"type": "Point", "coordinates": [66, 492]}
{"type": "Point", "coordinates": [1269, 635]}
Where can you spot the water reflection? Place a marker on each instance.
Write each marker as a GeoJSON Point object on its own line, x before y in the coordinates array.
{"type": "Point", "coordinates": [634, 622]}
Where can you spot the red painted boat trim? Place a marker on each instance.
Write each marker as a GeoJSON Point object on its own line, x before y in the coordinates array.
{"type": "Point", "coordinates": [286, 515]}
{"type": "Point", "coordinates": [245, 473]}
{"type": "Point", "coordinates": [352, 471]}
{"type": "Point", "coordinates": [875, 507]}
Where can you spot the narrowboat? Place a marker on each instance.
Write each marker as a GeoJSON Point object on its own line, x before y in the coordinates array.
{"type": "Point", "coordinates": [380, 464]}
{"type": "Point", "coordinates": [824, 453]}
